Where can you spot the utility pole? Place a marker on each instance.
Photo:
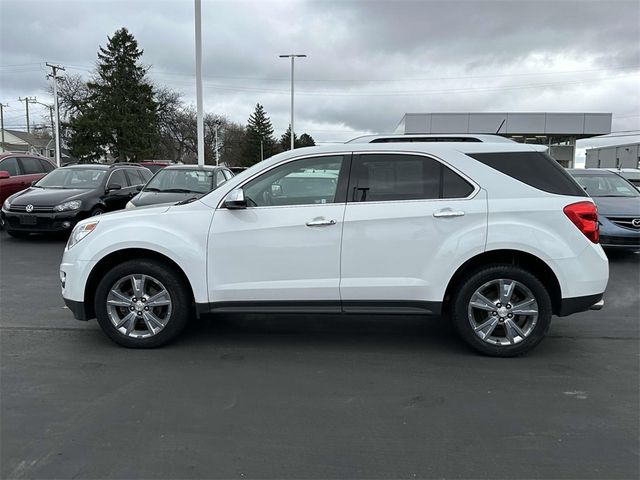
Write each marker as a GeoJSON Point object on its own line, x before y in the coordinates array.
{"type": "Point", "coordinates": [261, 150]}
{"type": "Point", "coordinates": [292, 56]}
{"type": "Point", "coordinates": [54, 76]}
{"type": "Point", "coordinates": [50, 108]}
{"type": "Point", "coordinates": [216, 143]}
{"type": "Point", "coordinates": [2, 107]}
{"type": "Point", "coordinates": [26, 101]}
{"type": "Point", "coordinates": [199, 116]}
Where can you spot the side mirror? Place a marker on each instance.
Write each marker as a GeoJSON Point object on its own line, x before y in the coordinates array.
{"type": "Point", "coordinates": [113, 186]}
{"type": "Point", "coordinates": [235, 200]}
{"type": "Point", "coordinates": [139, 187]}
{"type": "Point", "coordinates": [4, 174]}
{"type": "Point", "coordinates": [34, 182]}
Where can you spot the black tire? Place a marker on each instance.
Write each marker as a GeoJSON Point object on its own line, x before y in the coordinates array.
{"type": "Point", "coordinates": [460, 306]}
{"type": "Point", "coordinates": [181, 303]}
{"type": "Point", "coordinates": [16, 234]}
{"type": "Point", "coordinates": [96, 211]}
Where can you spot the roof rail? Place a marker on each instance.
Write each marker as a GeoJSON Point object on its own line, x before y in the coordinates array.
{"type": "Point", "coordinates": [117, 164]}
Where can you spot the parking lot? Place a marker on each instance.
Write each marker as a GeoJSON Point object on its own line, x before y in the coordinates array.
{"type": "Point", "coordinates": [311, 396]}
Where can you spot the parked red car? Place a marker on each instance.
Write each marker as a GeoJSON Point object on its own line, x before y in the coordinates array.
{"type": "Point", "coordinates": [18, 170]}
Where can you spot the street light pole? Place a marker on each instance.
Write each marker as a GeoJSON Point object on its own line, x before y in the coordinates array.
{"type": "Point", "coordinates": [199, 115]}
{"type": "Point", "coordinates": [292, 56]}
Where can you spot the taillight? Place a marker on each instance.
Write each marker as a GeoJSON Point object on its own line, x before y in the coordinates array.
{"type": "Point", "coordinates": [584, 215]}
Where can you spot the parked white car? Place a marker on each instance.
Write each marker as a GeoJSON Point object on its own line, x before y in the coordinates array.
{"type": "Point", "coordinates": [496, 236]}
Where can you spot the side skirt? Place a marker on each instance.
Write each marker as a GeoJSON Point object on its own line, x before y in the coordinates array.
{"type": "Point", "coordinates": [371, 307]}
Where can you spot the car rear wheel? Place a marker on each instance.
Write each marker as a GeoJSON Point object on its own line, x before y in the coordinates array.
{"type": "Point", "coordinates": [502, 311]}
{"type": "Point", "coordinates": [142, 304]}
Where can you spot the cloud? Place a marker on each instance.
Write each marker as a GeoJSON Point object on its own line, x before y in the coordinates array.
{"type": "Point", "coordinates": [368, 62]}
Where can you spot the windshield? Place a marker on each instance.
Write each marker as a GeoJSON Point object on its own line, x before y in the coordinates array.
{"type": "Point", "coordinates": [72, 178]}
{"type": "Point", "coordinates": [606, 186]}
{"type": "Point", "coordinates": [181, 181]}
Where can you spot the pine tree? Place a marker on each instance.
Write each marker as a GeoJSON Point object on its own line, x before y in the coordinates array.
{"type": "Point", "coordinates": [285, 140]}
{"type": "Point", "coordinates": [259, 135]}
{"type": "Point", "coordinates": [305, 140]}
{"type": "Point", "coordinates": [121, 117]}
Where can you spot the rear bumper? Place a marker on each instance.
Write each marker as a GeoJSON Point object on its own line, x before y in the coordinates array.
{"type": "Point", "coordinates": [569, 306]}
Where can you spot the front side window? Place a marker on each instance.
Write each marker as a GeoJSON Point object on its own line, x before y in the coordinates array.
{"type": "Point", "coordinates": [31, 166]}
{"type": "Point", "coordinates": [220, 178]}
{"type": "Point", "coordinates": [118, 178]}
{"type": "Point", "coordinates": [309, 181]}
{"type": "Point", "coordinates": [10, 165]}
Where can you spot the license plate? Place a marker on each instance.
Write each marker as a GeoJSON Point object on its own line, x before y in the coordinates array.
{"type": "Point", "coordinates": [28, 220]}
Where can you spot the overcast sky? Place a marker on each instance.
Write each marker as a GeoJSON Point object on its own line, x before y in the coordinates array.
{"type": "Point", "coordinates": [368, 62]}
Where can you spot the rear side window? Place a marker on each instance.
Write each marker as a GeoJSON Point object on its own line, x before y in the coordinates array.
{"type": "Point", "coordinates": [536, 169]}
{"type": "Point", "coordinates": [10, 165]}
{"type": "Point", "coordinates": [47, 167]}
{"type": "Point", "coordinates": [391, 177]}
{"type": "Point", "coordinates": [31, 166]}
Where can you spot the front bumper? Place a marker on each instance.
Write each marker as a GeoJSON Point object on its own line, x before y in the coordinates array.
{"type": "Point", "coordinates": [39, 222]}
{"type": "Point", "coordinates": [628, 241]}
{"type": "Point", "coordinates": [77, 308]}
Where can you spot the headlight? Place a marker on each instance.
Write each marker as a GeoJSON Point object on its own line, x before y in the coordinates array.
{"type": "Point", "coordinates": [80, 231]}
{"type": "Point", "coordinates": [72, 205]}
{"type": "Point", "coordinates": [7, 204]}
{"type": "Point", "coordinates": [129, 206]}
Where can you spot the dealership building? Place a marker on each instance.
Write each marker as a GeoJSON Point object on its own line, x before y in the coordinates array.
{"type": "Point", "coordinates": [559, 131]}
{"type": "Point", "coordinates": [614, 156]}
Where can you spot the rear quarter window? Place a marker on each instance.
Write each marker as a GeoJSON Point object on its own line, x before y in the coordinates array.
{"type": "Point", "coordinates": [536, 169]}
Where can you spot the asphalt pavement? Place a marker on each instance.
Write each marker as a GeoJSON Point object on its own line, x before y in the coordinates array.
{"type": "Point", "coordinates": [294, 396]}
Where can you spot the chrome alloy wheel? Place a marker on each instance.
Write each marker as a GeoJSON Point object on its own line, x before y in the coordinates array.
{"type": "Point", "coordinates": [139, 306]}
{"type": "Point", "coordinates": [503, 312]}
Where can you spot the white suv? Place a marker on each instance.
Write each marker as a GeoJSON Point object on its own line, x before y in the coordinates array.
{"type": "Point", "coordinates": [495, 236]}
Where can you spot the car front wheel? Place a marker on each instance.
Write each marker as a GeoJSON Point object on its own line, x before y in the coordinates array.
{"type": "Point", "coordinates": [502, 311]}
{"type": "Point", "coordinates": [142, 304]}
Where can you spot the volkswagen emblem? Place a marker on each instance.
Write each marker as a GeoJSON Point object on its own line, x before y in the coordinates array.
{"type": "Point", "coordinates": [636, 222]}
{"type": "Point", "coordinates": [29, 208]}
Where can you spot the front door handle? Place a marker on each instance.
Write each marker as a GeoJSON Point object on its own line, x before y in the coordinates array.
{"type": "Point", "coordinates": [320, 222]}
{"type": "Point", "coordinates": [448, 213]}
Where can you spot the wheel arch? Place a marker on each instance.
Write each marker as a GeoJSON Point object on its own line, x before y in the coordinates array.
{"type": "Point", "coordinates": [120, 256]}
{"type": "Point", "coordinates": [528, 261]}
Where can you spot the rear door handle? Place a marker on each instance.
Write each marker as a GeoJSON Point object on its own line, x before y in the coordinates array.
{"type": "Point", "coordinates": [448, 213]}
{"type": "Point", "coordinates": [320, 222]}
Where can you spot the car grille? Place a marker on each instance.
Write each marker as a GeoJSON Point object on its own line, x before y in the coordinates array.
{"type": "Point", "coordinates": [23, 208]}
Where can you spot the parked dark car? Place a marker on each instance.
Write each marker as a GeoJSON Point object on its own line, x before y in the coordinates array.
{"type": "Point", "coordinates": [69, 194]}
{"type": "Point", "coordinates": [180, 182]}
{"type": "Point", "coordinates": [18, 170]}
{"type": "Point", "coordinates": [618, 203]}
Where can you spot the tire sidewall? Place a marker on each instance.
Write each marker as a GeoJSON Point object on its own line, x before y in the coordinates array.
{"type": "Point", "coordinates": [461, 301]}
{"type": "Point", "coordinates": [180, 309]}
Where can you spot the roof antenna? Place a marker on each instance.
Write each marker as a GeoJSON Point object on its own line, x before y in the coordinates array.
{"type": "Point", "coordinates": [498, 130]}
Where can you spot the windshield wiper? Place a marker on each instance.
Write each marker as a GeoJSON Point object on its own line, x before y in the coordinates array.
{"type": "Point", "coordinates": [152, 189]}
{"type": "Point", "coordinates": [179, 190]}
{"type": "Point", "coordinates": [188, 200]}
